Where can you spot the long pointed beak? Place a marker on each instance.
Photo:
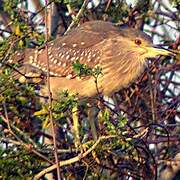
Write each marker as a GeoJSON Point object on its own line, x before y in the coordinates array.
{"type": "Point", "coordinates": [155, 51]}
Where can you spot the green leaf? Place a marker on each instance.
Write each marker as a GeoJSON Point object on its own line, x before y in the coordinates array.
{"type": "Point", "coordinates": [122, 122]}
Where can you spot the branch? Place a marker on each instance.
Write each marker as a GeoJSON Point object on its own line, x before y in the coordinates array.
{"type": "Point", "coordinates": [74, 159]}
{"type": "Point", "coordinates": [29, 147]}
{"type": "Point", "coordinates": [50, 95]}
{"type": "Point", "coordinates": [77, 16]}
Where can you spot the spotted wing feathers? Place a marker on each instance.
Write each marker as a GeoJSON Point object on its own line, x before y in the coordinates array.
{"type": "Point", "coordinates": [79, 45]}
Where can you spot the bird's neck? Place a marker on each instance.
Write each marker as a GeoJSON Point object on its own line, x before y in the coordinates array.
{"type": "Point", "coordinates": [121, 75]}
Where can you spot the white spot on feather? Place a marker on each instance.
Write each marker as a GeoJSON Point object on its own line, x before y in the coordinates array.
{"type": "Point", "coordinates": [64, 65]}
{"type": "Point", "coordinates": [40, 51]}
{"type": "Point", "coordinates": [55, 61]}
{"type": "Point", "coordinates": [51, 56]}
{"type": "Point", "coordinates": [31, 59]}
{"type": "Point", "coordinates": [89, 59]}
{"type": "Point", "coordinates": [60, 54]}
{"type": "Point", "coordinates": [52, 59]}
{"type": "Point", "coordinates": [34, 64]}
{"type": "Point", "coordinates": [44, 69]}
{"type": "Point", "coordinates": [69, 76]}
{"type": "Point", "coordinates": [67, 57]}
{"type": "Point", "coordinates": [73, 58]}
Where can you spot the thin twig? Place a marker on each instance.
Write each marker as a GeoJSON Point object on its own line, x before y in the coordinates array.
{"type": "Point", "coordinates": [71, 12]}
{"type": "Point", "coordinates": [50, 97]}
{"type": "Point", "coordinates": [77, 17]}
{"type": "Point", "coordinates": [108, 5]}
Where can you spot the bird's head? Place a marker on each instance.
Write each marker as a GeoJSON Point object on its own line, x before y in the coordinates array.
{"type": "Point", "coordinates": [141, 44]}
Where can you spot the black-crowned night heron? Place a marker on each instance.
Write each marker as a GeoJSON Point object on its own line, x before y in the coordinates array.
{"type": "Point", "coordinates": [121, 53]}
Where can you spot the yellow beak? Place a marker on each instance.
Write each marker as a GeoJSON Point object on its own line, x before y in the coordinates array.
{"type": "Point", "coordinates": [153, 51]}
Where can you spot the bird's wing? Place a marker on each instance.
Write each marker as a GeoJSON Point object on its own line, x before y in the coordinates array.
{"type": "Point", "coordinates": [81, 44]}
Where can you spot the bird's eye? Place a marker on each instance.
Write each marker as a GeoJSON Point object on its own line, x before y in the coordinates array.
{"type": "Point", "coordinates": [137, 41]}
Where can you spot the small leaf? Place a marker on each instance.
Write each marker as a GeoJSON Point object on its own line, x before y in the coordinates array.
{"type": "Point", "coordinates": [41, 112]}
{"type": "Point", "coordinates": [18, 31]}
{"type": "Point", "coordinates": [122, 122]}
{"type": "Point", "coordinates": [21, 43]}
{"type": "Point", "coordinates": [46, 123]}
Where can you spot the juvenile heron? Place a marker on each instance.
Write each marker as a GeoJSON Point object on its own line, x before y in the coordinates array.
{"type": "Point", "coordinates": [121, 53]}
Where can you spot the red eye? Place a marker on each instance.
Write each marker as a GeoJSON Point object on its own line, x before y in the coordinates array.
{"type": "Point", "coordinates": [137, 41]}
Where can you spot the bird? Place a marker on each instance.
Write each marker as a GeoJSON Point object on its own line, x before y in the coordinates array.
{"type": "Point", "coordinates": [122, 54]}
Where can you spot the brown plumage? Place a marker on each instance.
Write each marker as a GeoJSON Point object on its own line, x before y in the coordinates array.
{"type": "Point", "coordinates": [121, 54]}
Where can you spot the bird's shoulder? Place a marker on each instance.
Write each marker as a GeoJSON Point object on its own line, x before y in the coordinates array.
{"type": "Point", "coordinates": [87, 35]}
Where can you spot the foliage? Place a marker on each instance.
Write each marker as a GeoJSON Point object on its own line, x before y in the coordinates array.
{"type": "Point", "coordinates": [84, 70]}
{"type": "Point", "coordinates": [140, 116]}
{"type": "Point", "coordinates": [18, 163]}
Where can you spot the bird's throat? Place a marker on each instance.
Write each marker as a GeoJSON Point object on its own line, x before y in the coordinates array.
{"type": "Point", "coordinates": [120, 76]}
